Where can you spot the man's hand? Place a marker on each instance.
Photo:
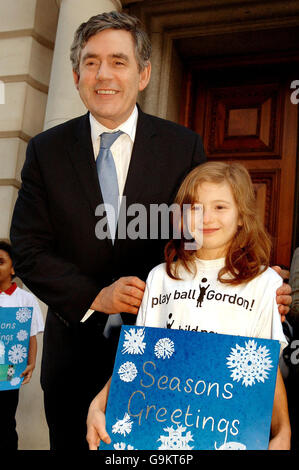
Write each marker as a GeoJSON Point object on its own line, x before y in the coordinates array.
{"type": "Point", "coordinates": [124, 295]}
{"type": "Point", "coordinates": [283, 295]}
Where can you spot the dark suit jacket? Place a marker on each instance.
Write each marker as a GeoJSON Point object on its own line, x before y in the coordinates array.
{"type": "Point", "coordinates": [57, 254]}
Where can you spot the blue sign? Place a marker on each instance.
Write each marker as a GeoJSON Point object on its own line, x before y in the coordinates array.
{"type": "Point", "coordinates": [175, 389]}
{"type": "Point", "coordinates": [15, 324]}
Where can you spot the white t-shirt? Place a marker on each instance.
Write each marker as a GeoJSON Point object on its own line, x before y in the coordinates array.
{"type": "Point", "coordinates": [202, 303]}
{"type": "Point", "coordinates": [16, 297]}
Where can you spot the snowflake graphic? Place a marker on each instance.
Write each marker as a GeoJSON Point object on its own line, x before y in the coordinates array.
{"type": "Point", "coordinates": [249, 364]}
{"type": "Point", "coordinates": [175, 439]}
{"type": "Point", "coordinates": [23, 314]}
{"type": "Point", "coordinates": [123, 446]}
{"type": "Point", "coordinates": [123, 426]}
{"type": "Point", "coordinates": [17, 354]}
{"type": "Point", "coordinates": [164, 348]}
{"type": "Point", "coordinates": [127, 372]}
{"type": "Point", "coordinates": [15, 381]}
{"type": "Point", "coordinates": [22, 335]}
{"type": "Point", "coordinates": [232, 446]}
{"type": "Point", "coordinates": [133, 343]}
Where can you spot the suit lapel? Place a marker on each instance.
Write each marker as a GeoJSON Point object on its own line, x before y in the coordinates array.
{"type": "Point", "coordinates": [142, 173]}
{"type": "Point", "coordinates": [82, 157]}
{"type": "Point", "coordinates": [142, 168]}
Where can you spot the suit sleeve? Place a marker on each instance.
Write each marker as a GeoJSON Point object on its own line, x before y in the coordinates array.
{"type": "Point", "coordinates": [143, 312]}
{"type": "Point", "coordinates": [140, 320]}
{"type": "Point", "coordinates": [294, 283]}
{"type": "Point", "coordinates": [57, 282]}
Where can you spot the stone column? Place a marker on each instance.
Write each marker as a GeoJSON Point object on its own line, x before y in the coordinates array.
{"type": "Point", "coordinates": [63, 99]}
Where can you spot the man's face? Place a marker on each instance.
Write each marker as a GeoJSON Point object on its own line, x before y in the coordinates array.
{"type": "Point", "coordinates": [109, 79]}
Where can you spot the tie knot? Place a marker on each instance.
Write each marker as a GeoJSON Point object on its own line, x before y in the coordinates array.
{"type": "Point", "coordinates": [108, 138]}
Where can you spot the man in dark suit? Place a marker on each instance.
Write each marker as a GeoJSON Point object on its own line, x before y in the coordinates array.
{"type": "Point", "coordinates": [61, 254]}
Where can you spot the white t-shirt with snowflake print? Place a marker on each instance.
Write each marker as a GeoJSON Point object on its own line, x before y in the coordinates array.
{"type": "Point", "coordinates": [202, 303]}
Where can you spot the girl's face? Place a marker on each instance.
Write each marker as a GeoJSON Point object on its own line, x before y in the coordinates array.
{"type": "Point", "coordinates": [220, 219]}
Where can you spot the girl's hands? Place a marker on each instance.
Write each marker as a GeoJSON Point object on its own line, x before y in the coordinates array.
{"type": "Point", "coordinates": [27, 373]}
{"type": "Point", "coordinates": [96, 426]}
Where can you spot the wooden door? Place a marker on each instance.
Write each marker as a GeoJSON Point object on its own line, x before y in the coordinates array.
{"type": "Point", "coordinates": [244, 112]}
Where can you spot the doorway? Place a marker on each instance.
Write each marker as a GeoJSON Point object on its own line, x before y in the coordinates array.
{"type": "Point", "coordinates": [241, 107]}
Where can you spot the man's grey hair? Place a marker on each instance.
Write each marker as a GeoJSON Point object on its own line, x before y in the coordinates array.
{"type": "Point", "coordinates": [112, 20]}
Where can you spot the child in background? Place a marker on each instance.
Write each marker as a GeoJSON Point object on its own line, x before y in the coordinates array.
{"type": "Point", "coordinates": [12, 296]}
{"type": "Point", "coordinates": [229, 267]}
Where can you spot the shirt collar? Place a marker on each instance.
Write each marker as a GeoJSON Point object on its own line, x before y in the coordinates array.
{"type": "Point", "coordinates": [128, 127]}
{"type": "Point", "coordinates": [10, 290]}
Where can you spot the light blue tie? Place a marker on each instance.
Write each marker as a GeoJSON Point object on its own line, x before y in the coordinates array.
{"type": "Point", "coordinates": [108, 179]}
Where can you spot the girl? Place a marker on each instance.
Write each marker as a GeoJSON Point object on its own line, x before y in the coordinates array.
{"type": "Point", "coordinates": [229, 269]}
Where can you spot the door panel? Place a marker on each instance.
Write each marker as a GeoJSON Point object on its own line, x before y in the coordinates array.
{"type": "Point", "coordinates": [243, 121]}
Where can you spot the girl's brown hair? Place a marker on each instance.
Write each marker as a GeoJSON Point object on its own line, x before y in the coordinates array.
{"type": "Point", "coordinates": [249, 252]}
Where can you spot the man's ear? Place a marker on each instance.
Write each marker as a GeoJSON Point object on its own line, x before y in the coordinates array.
{"type": "Point", "coordinates": [76, 78]}
{"type": "Point", "coordinates": [145, 76]}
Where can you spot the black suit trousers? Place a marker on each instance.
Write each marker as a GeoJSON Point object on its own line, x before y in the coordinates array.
{"type": "Point", "coordinates": [67, 399]}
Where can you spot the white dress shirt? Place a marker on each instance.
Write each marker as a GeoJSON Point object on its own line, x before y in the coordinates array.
{"type": "Point", "coordinates": [121, 151]}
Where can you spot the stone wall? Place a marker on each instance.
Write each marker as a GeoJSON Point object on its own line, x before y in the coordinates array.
{"type": "Point", "coordinates": [27, 37]}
